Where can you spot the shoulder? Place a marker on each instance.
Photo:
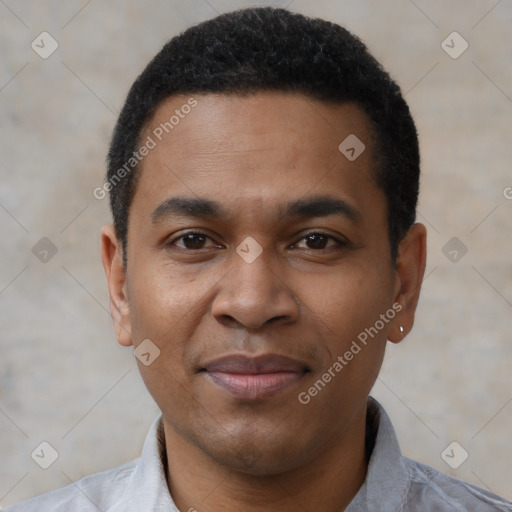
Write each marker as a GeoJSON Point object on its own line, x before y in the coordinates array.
{"type": "Point", "coordinates": [430, 487]}
{"type": "Point", "coordinates": [92, 493]}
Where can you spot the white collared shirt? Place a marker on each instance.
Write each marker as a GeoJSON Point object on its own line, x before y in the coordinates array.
{"type": "Point", "coordinates": [393, 483]}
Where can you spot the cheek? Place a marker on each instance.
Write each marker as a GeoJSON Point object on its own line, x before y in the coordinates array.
{"type": "Point", "coordinates": [158, 312]}
{"type": "Point", "coordinates": [347, 313]}
{"type": "Point", "coordinates": [168, 308]}
{"type": "Point", "coordinates": [348, 317]}
{"type": "Point", "coordinates": [347, 301]}
{"type": "Point", "coordinates": [161, 299]}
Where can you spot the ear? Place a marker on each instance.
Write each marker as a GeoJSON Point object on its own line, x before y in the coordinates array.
{"type": "Point", "coordinates": [112, 257]}
{"type": "Point", "coordinates": [411, 261]}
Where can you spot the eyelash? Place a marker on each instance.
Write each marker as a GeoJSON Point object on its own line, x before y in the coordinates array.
{"type": "Point", "coordinates": [339, 243]}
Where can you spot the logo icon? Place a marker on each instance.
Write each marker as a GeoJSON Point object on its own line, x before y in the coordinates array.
{"type": "Point", "coordinates": [454, 455]}
{"type": "Point", "coordinates": [146, 352]}
{"type": "Point", "coordinates": [44, 250]}
{"type": "Point", "coordinates": [352, 147]}
{"type": "Point", "coordinates": [454, 45]}
{"type": "Point", "coordinates": [44, 45]}
{"type": "Point", "coordinates": [454, 249]}
{"type": "Point", "coordinates": [249, 249]}
{"type": "Point", "coordinates": [44, 455]}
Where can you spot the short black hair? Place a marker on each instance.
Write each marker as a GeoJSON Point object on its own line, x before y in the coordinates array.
{"type": "Point", "coordinates": [273, 49]}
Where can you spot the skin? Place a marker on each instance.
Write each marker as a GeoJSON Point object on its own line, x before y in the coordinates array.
{"type": "Point", "coordinates": [303, 298]}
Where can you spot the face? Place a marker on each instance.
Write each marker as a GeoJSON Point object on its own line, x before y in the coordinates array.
{"type": "Point", "coordinates": [257, 255]}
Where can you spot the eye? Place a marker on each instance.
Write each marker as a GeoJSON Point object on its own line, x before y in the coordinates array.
{"type": "Point", "coordinates": [319, 241]}
{"type": "Point", "coordinates": [191, 241]}
{"type": "Point", "coordinates": [195, 241]}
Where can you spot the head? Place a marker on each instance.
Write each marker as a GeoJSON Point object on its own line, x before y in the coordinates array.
{"type": "Point", "coordinates": [269, 49]}
{"type": "Point", "coordinates": [243, 229]}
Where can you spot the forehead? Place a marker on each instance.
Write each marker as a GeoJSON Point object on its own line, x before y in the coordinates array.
{"type": "Point", "coordinates": [252, 150]}
{"type": "Point", "coordinates": [256, 122]}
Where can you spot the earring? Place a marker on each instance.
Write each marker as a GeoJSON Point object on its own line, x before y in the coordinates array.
{"type": "Point", "coordinates": [401, 330]}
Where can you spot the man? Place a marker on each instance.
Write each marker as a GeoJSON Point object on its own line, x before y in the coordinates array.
{"type": "Point", "coordinates": [263, 177]}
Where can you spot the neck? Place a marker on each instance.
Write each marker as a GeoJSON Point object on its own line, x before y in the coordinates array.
{"type": "Point", "coordinates": [327, 483]}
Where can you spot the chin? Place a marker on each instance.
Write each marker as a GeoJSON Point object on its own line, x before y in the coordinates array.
{"type": "Point", "coordinates": [256, 463]}
{"type": "Point", "coordinates": [257, 455]}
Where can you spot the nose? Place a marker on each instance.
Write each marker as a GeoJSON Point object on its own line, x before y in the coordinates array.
{"type": "Point", "coordinates": [254, 294]}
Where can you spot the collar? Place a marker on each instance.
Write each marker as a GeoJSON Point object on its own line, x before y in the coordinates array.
{"type": "Point", "coordinates": [147, 486]}
{"type": "Point", "coordinates": [387, 478]}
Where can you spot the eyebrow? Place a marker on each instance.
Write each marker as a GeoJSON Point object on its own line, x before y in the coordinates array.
{"type": "Point", "coordinates": [317, 206]}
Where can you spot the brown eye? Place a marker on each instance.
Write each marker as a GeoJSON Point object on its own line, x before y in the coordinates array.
{"type": "Point", "coordinates": [316, 241]}
{"type": "Point", "coordinates": [319, 241]}
{"type": "Point", "coordinates": [193, 241]}
{"type": "Point", "coordinates": [190, 241]}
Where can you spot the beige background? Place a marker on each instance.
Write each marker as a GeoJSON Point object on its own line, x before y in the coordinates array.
{"type": "Point", "coordinates": [63, 377]}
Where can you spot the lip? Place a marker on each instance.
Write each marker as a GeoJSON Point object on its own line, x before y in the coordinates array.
{"type": "Point", "coordinates": [253, 378]}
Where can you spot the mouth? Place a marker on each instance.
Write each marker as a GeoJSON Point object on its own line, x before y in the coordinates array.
{"type": "Point", "coordinates": [255, 378]}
